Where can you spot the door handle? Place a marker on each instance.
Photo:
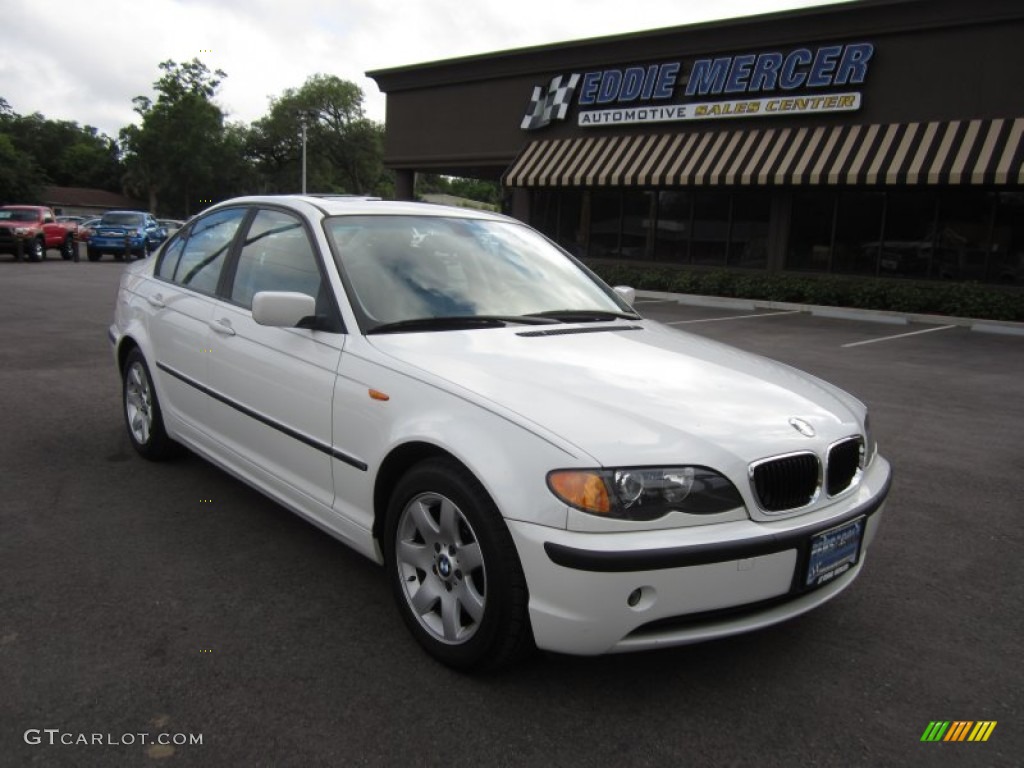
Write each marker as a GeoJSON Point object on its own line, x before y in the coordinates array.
{"type": "Point", "coordinates": [223, 326]}
{"type": "Point", "coordinates": [156, 300]}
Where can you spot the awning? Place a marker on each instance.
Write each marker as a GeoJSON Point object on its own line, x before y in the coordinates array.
{"type": "Point", "coordinates": [964, 152]}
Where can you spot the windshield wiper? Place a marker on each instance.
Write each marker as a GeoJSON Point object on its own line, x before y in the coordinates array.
{"type": "Point", "coordinates": [584, 315]}
{"type": "Point", "coordinates": [458, 322]}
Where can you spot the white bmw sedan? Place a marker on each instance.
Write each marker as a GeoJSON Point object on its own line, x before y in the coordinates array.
{"type": "Point", "coordinates": [532, 461]}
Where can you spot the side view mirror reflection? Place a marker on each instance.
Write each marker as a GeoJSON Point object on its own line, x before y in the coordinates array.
{"type": "Point", "coordinates": [627, 293]}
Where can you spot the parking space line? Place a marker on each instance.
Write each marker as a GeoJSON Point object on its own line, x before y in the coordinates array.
{"type": "Point", "coordinates": [655, 301]}
{"type": "Point", "coordinates": [731, 317]}
{"type": "Point", "coordinates": [899, 336]}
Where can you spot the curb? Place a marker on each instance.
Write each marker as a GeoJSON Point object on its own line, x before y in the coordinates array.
{"type": "Point", "coordinates": [1002, 327]}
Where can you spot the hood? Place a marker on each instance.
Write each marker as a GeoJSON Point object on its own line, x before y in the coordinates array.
{"type": "Point", "coordinates": [636, 393]}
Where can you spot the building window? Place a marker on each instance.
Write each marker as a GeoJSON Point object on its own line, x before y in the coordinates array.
{"type": "Point", "coordinates": [1006, 262]}
{"type": "Point", "coordinates": [908, 247]}
{"type": "Point", "coordinates": [571, 222]}
{"type": "Point", "coordinates": [858, 228]}
{"type": "Point", "coordinates": [748, 229]}
{"type": "Point", "coordinates": [639, 217]}
{"type": "Point", "coordinates": [673, 226]}
{"type": "Point", "coordinates": [710, 228]}
{"type": "Point", "coordinates": [811, 231]}
{"type": "Point", "coordinates": [962, 235]}
{"type": "Point", "coordinates": [605, 223]}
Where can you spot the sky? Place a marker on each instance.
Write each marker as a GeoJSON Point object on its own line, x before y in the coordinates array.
{"type": "Point", "coordinates": [86, 61]}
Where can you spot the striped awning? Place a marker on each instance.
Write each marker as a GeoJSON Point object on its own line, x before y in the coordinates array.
{"type": "Point", "coordinates": [968, 152]}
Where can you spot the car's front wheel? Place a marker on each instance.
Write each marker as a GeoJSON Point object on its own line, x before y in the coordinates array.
{"type": "Point", "coordinates": [142, 414]}
{"type": "Point", "coordinates": [92, 254]}
{"type": "Point", "coordinates": [67, 248]}
{"type": "Point", "coordinates": [454, 569]}
{"type": "Point", "coordinates": [37, 250]}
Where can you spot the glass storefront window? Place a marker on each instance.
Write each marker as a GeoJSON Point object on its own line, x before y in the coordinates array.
{"type": "Point", "coordinates": [908, 247]}
{"type": "Point", "coordinates": [962, 235]}
{"type": "Point", "coordinates": [858, 229]}
{"type": "Point", "coordinates": [639, 212]}
{"type": "Point", "coordinates": [710, 227]}
{"type": "Point", "coordinates": [544, 212]}
{"type": "Point", "coordinates": [672, 238]}
{"type": "Point", "coordinates": [1006, 262]}
{"type": "Point", "coordinates": [605, 222]}
{"type": "Point", "coordinates": [748, 233]}
{"type": "Point", "coordinates": [923, 233]}
{"type": "Point", "coordinates": [810, 230]}
{"type": "Point", "coordinates": [572, 225]}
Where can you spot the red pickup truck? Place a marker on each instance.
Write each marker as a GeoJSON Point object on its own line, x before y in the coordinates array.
{"type": "Point", "coordinates": [37, 229]}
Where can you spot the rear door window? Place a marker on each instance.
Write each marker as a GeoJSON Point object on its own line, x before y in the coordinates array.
{"type": "Point", "coordinates": [205, 251]}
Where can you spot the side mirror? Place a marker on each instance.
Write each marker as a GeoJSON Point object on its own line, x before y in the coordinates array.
{"type": "Point", "coordinates": [282, 309]}
{"type": "Point", "coordinates": [626, 293]}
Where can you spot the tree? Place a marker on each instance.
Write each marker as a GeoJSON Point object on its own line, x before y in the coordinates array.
{"type": "Point", "coordinates": [61, 151]}
{"type": "Point", "coordinates": [174, 157]}
{"type": "Point", "coordinates": [20, 180]}
{"type": "Point", "coordinates": [344, 149]}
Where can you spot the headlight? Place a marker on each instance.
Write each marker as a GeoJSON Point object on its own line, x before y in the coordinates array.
{"type": "Point", "coordinates": [645, 493]}
{"type": "Point", "coordinates": [22, 231]}
{"type": "Point", "coordinates": [870, 447]}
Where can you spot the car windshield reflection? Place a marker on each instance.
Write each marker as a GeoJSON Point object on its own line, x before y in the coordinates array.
{"type": "Point", "coordinates": [416, 268]}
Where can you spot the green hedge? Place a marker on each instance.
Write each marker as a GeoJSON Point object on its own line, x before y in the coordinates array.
{"type": "Point", "coordinates": [940, 298]}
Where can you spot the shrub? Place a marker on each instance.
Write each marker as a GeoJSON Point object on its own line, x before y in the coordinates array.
{"type": "Point", "coordinates": [975, 300]}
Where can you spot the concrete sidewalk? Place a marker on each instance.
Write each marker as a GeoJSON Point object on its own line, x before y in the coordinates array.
{"type": "Point", "coordinates": [845, 313]}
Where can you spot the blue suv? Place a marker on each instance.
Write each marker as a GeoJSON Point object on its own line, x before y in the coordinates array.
{"type": "Point", "coordinates": [125, 234]}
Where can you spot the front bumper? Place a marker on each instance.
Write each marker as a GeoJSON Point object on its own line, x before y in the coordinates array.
{"type": "Point", "coordinates": [114, 244]}
{"type": "Point", "coordinates": [694, 584]}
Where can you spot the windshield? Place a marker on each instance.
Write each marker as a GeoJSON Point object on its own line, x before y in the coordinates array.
{"type": "Point", "coordinates": [411, 268]}
{"type": "Point", "coordinates": [16, 215]}
{"type": "Point", "coordinates": [122, 219]}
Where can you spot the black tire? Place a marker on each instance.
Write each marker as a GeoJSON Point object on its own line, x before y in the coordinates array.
{"type": "Point", "coordinates": [493, 585]}
{"type": "Point", "coordinates": [37, 250]}
{"type": "Point", "coordinates": [92, 254]}
{"type": "Point", "coordinates": [141, 408]}
{"type": "Point", "coordinates": [144, 251]}
{"type": "Point", "coordinates": [67, 248]}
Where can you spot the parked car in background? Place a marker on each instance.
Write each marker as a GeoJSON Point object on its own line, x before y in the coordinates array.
{"type": "Point", "coordinates": [30, 230]}
{"type": "Point", "coordinates": [171, 225]}
{"type": "Point", "coordinates": [85, 229]}
{"type": "Point", "coordinates": [125, 234]}
{"type": "Point", "coordinates": [463, 402]}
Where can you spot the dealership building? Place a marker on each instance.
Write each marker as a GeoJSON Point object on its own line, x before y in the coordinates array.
{"type": "Point", "coordinates": [879, 137]}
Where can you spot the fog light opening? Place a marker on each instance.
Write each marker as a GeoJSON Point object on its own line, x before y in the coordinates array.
{"type": "Point", "coordinates": [641, 598]}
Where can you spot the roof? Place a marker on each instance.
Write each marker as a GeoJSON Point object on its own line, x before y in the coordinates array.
{"type": "Point", "coordinates": [835, 20]}
{"type": "Point", "coordinates": [354, 206]}
{"type": "Point", "coordinates": [84, 197]}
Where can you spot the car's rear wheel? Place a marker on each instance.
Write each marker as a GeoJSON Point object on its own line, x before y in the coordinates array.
{"type": "Point", "coordinates": [142, 414]}
{"type": "Point", "coordinates": [454, 569]}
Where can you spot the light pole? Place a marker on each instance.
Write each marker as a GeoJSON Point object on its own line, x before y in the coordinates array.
{"type": "Point", "coordinates": [302, 119]}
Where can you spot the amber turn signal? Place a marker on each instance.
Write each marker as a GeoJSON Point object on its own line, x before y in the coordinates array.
{"type": "Point", "coordinates": [582, 489]}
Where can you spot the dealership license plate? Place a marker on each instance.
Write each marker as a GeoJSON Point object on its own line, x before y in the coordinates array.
{"type": "Point", "coordinates": [834, 552]}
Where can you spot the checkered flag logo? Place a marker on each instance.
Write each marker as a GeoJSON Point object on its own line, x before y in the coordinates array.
{"type": "Point", "coordinates": [551, 103]}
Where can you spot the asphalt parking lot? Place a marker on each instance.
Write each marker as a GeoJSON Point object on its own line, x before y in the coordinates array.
{"type": "Point", "coordinates": [139, 599]}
